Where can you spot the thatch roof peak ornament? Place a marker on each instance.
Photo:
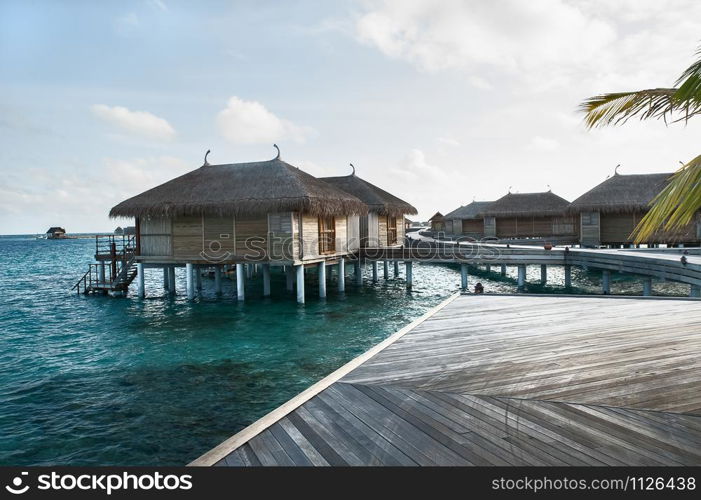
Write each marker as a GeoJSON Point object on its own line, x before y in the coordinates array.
{"type": "Point", "coordinates": [206, 163]}
{"type": "Point", "coordinates": [615, 170]}
{"type": "Point", "coordinates": [352, 173]}
{"type": "Point", "coordinates": [278, 152]}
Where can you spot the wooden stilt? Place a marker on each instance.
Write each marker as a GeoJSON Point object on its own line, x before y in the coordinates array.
{"type": "Point", "coordinates": [172, 290]}
{"type": "Point", "coordinates": [695, 291]}
{"type": "Point", "coordinates": [374, 271]}
{"type": "Point", "coordinates": [409, 274]}
{"type": "Point", "coordinates": [543, 274]}
{"type": "Point", "coordinates": [341, 275]}
{"type": "Point", "coordinates": [189, 284]}
{"type": "Point", "coordinates": [198, 278]}
{"type": "Point", "coordinates": [647, 287]}
{"type": "Point", "coordinates": [503, 270]}
{"type": "Point", "coordinates": [606, 282]}
{"type": "Point", "coordinates": [322, 280]}
{"type": "Point", "coordinates": [166, 279]}
{"type": "Point", "coordinates": [385, 269]}
{"type": "Point", "coordinates": [521, 276]}
{"type": "Point", "coordinates": [101, 272]}
{"type": "Point", "coordinates": [396, 268]}
{"type": "Point", "coordinates": [358, 273]}
{"type": "Point", "coordinates": [217, 280]}
{"type": "Point", "coordinates": [140, 280]}
{"type": "Point", "coordinates": [240, 281]}
{"type": "Point", "coordinates": [300, 284]}
{"type": "Point", "coordinates": [488, 268]}
{"type": "Point", "coordinates": [463, 276]}
{"type": "Point", "coordinates": [266, 280]}
{"type": "Point", "coordinates": [289, 276]}
{"type": "Point", "coordinates": [568, 276]}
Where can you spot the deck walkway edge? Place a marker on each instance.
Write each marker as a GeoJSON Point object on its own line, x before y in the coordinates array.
{"type": "Point", "coordinates": [225, 448]}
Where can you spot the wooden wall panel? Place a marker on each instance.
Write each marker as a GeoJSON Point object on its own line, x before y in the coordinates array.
{"type": "Point", "coordinates": [373, 234]}
{"type": "Point", "coordinates": [310, 236]}
{"type": "Point", "coordinates": [252, 236]}
{"type": "Point", "coordinates": [353, 232]}
{"type": "Point", "coordinates": [506, 227]}
{"type": "Point", "coordinates": [281, 236]}
{"type": "Point", "coordinates": [473, 227]}
{"type": "Point", "coordinates": [219, 238]}
{"type": "Point", "coordinates": [187, 236]}
{"type": "Point", "coordinates": [156, 236]}
{"type": "Point", "coordinates": [341, 234]}
{"type": "Point", "coordinates": [382, 230]}
{"type": "Point", "coordinates": [616, 228]}
{"type": "Point", "coordinates": [400, 230]}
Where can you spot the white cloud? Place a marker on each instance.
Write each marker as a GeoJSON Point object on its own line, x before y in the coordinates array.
{"type": "Point", "coordinates": [140, 123]}
{"type": "Point", "coordinates": [249, 122]}
{"type": "Point", "coordinates": [510, 34]}
{"type": "Point", "coordinates": [546, 43]}
{"type": "Point", "coordinates": [539, 143]}
{"type": "Point", "coordinates": [448, 141]}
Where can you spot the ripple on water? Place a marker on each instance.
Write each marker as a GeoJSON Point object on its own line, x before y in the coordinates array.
{"type": "Point", "coordinates": [98, 381]}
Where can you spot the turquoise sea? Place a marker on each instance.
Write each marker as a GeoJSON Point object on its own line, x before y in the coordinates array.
{"type": "Point", "coordinates": [103, 381]}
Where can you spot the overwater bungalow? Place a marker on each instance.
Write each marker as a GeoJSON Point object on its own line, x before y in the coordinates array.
{"type": "Point", "coordinates": [437, 223]}
{"type": "Point", "coordinates": [55, 233]}
{"type": "Point", "coordinates": [383, 226]}
{"type": "Point", "coordinates": [265, 213]}
{"type": "Point", "coordinates": [468, 220]}
{"type": "Point", "coordinates": [530, 215]}
{"type": "Point", "coordinates": [608, 213]}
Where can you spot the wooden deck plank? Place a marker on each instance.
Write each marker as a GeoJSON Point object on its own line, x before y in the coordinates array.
{"type": "Point", "coordinates": [510, 380]}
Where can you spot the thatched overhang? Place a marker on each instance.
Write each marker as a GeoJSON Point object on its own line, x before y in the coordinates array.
{"type": "Point", "coordinates": [621, 194]}
{"type": "Point", "coordinates": [378, 200]}
{"type": "Point", "coordinates": [436, 217]}
{"type": "Point", "coordinates": [241, 189]}
{"type": "Point", "coordinates": [474, 210]}
{"type": "Point", "coordinates": [527, 205]}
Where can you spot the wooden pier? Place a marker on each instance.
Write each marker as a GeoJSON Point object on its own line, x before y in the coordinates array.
{"type": "Point", "coordinates": [502, 380]}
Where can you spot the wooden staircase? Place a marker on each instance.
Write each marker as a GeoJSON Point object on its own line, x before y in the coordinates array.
{"type": "Point", "coordinates": [115, 268]}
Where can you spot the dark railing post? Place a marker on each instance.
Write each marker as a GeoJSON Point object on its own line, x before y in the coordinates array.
{"type": "Point", "coordinates": [113, 255]}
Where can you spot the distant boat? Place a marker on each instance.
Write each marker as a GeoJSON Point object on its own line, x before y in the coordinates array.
{"type": "Point", "coordinates": [55, 233]}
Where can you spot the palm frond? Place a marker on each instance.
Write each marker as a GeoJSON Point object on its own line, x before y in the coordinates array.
{"type": "Point", "coordinates": [618, 107]}
{"type": "Point", "coordinates": [689, 83]}
{"type": "Point", "coordinates": [676, 205]}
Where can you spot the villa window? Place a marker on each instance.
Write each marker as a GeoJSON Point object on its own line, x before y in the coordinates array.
{"type": "Point", "coordinates": [391, 230]}
{"type": "Point", "coordinates": [327, 235]}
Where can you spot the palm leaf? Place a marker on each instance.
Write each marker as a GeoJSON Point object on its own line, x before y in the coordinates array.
{"type": "Point", "coordinates": [618, 107]}
{"type": "Point", "coordinates": [676, 205]}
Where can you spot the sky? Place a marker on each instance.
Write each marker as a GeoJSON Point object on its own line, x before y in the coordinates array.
{"type": "Point", "coordinates": [439, 102]}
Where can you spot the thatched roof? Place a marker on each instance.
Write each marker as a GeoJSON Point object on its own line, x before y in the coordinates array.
{"type": "Point", "coordinates": [436, 216]}
{"type": "Point", "coordinates": [378, 200]}
{"type": "Point", "coordinates": [621, 194]}
{"type": "Point", "coordinates": [241, 189]}
{"type": "Point", "coordinates": [472, 210]}
{"type": "Point", "coordinates": [527, 204]}
{"type": "Point", "coordinates": [55, 229]}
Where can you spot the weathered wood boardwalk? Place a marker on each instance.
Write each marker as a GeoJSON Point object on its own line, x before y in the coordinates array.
{"type": "Point", "coordinates": [505, 380]}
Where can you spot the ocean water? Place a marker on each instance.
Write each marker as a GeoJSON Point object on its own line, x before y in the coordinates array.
{"type": "Point", "coordinates": [89, 380]}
